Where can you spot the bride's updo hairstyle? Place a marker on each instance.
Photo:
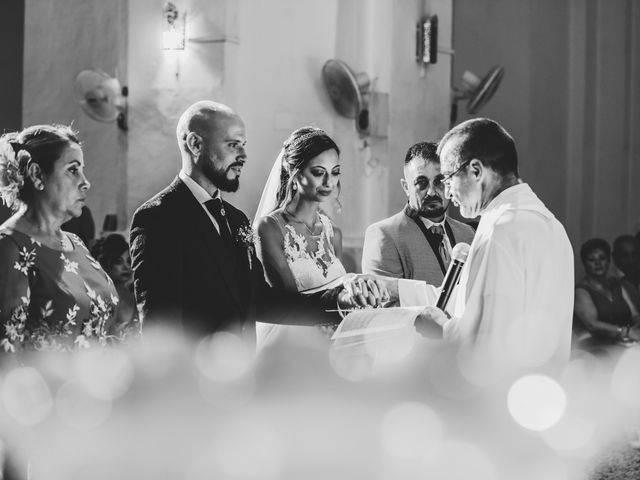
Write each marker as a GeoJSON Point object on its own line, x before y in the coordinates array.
{"type": "Point", "coordinates": [40, 144]}
{"type": "Point", "coordinates": [302, 145]}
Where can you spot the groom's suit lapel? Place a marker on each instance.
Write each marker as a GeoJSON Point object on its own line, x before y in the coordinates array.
{"type": "Point", "coordinates": [242, 267]}
{"type": "Point", "coordinates": [211, 240]}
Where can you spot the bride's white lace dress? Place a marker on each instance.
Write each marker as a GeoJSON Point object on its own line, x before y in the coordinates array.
{"type": "Point", "coordinates": [312, 261]}
{"type": "Point", "coordinates": [311, 268]}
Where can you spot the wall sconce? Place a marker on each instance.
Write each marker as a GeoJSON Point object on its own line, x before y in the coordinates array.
{"type": "Point", "coordinates": [173, 37]}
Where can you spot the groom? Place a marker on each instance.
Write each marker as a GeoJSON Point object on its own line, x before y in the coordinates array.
{"type": "Point", "coordinates": [194, 264]}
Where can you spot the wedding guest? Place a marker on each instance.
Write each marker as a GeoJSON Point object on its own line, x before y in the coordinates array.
{"type": "Point", "coordinates": [83, 226]}
{"type": "Point", "coordinates": [53, 294]}
{"type": "Point", "coordinates": [112, 252]}
{"type": "Point", "coordinates": [416, 243]}
{"type": "Point", "coordinates": [605, 307]}
{"type": "Point", "coordinates": [626, 258]}
{"type": "Point", "coordinates": [194, 263]}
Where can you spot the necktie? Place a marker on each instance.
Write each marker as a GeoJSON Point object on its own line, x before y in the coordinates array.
{"type": "Point", "coordinates": [438, 231]}
{"type": "Point", "coordinates": [214, 206]}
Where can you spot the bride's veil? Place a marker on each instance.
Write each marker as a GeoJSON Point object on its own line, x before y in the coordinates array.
{"type": "Point", "coordinates": [268, 200]}
{"type": "Point", "coordinates": [267, 332]}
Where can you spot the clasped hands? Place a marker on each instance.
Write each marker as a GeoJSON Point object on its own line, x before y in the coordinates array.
{"type": "Point", "coordinates": [367, 291]}
{"type": "Point", "coordinates": [375, 291]}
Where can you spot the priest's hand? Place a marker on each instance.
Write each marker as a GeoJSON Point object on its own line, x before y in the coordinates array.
{"type": "Point", "coordinates": [430, 321]}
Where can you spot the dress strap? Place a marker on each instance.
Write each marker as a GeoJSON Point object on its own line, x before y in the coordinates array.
{"type": "Point", "coordinates": [327, 226]}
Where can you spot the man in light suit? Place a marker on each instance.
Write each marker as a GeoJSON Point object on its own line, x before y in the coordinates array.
{"type": "Point", "coordinates": [416, 243]}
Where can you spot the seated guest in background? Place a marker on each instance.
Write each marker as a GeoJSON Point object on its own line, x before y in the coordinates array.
{"type": "Point", "coordinates": [626, 258]}
{"type": "Point", "coordinates": [605, 307]}
{"type": "Point", "coordinates": [53, 294]}
{"type": "Point", "coordinates": [416, 243]}
{"type": "Point", "coordinates": [83, 226]}
{"type": "Point", "coordinates": [112, 252]}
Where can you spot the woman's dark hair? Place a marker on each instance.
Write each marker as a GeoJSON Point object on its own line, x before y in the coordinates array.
{"type": "Point", "coordinates": [594, 244]}
{"type": "Point", "coordinates": [44, 144]}
{"type": "Point", "coordinates": [106, 250]}
{"type": "Point", "coordinates": [301, 146]}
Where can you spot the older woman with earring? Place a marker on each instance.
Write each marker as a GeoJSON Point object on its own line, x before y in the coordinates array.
{"type": "Point", "coordinates": [53, 294]}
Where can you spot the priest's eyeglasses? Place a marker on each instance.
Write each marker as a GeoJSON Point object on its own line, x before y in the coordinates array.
{"type": "Point", "coordinates": [447, 178]}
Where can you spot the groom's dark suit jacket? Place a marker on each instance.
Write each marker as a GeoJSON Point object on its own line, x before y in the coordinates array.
{"type": "Point", "coordinates": [187, 278]}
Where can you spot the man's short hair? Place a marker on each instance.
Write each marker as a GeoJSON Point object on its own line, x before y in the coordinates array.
{"type": "Point", "coordinates": [426, 150]}
{"type": "Point", "coordinates": [487, 141]}
{"type": "Point", "coordinates": [592, 245]}
{"type": "Point", "coordinates": [620, 241]}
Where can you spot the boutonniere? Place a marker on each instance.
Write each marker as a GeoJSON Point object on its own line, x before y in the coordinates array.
{"type": "Point", "coordinates": [248, 237]}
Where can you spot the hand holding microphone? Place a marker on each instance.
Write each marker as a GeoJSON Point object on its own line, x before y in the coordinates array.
{"type": "Point", "coordinates": [430, 321]}
{"type": "Point", "coordinates": [459, 256]}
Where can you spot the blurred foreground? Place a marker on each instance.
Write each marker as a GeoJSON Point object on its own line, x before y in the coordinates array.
{"type": "Point", "coordinates": [166, 409]}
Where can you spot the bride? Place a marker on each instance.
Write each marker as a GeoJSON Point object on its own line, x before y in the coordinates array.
{"type": "Point", "coordinates": [298, 244]}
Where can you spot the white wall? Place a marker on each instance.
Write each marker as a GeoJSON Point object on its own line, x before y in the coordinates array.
{"type": "Point", "coordinates": [63, 37]}
{"type": "Point", "coordinates": [164, 83]}
{"type": "Point", "coordinates": [283, 45]}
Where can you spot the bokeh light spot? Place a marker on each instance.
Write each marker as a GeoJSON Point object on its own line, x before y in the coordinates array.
{"type": "Point", "coordinates": [26, 396]}
{"type": "Point", "coordinates": [223, 357]}
{"type": "Point", "coordinates": [351, 363]}
{"type": "Point", "coordinates": [536, 402]}
{"type": "Point", "coordinates": [105, 373]}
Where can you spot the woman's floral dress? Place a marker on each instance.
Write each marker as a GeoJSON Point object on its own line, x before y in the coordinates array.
{"type": "Point", "coordinates": [52, 299]}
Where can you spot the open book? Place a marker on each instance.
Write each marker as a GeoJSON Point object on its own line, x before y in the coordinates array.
{"type": "Point", "coordinates": [374, 324]}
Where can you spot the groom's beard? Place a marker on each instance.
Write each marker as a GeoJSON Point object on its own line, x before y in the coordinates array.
{"type": "Point", "coordinates": [220, 178]}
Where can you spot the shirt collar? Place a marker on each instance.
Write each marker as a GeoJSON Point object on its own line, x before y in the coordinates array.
{"type": "Point", "coordinates": [507, 196]}
{"type": "Point", "coordinates": [197, 191]}
{"type": "Point", "coordinates": [428, 223]}
{"type": "Point", "coordinates": [411, 213]}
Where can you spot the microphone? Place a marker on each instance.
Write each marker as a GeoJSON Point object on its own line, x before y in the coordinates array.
{"type": "Point", "coordinates": [459, 256]}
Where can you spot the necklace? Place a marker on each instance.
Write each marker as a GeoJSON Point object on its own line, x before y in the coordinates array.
{"type": "Point", "coordinates": [297, 220]}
